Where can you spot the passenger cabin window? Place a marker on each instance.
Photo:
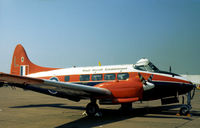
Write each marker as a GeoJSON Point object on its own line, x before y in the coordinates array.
{"type": "Point", "coordinates": [97, 77]}
{"type": "Point", "coordinates": [109, 77]}
{"type": "Point", "coordinates": [67, 78]}
{"type": "Point", "coordinates": [84, 77]}
{"type": "Point", "coordinates": [122, 76]}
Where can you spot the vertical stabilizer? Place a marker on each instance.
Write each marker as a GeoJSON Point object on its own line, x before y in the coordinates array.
{"type": "Point", "coordinates": [21, 65]}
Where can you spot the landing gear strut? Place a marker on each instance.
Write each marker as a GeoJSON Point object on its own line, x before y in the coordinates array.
{"type": "Point", "coordinates": [92, 109]}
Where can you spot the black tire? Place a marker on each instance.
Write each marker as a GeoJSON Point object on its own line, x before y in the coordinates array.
{"type": "Point", "coordinates": [184, 111]}
{"type": "Point", "coordinates": [92, 109]}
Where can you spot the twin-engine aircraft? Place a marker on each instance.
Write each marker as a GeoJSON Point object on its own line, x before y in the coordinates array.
{"type": "Point", "coordinates": [115, 84]}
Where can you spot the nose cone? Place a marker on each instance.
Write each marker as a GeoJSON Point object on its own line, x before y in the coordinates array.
{"type": "Point", "coordinates": [190, 86]}
{"type": "Point", "coordinates": [193, 79]}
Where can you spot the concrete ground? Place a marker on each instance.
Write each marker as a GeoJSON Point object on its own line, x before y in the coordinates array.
{"type": "Point", "coordinates": [26, 109]}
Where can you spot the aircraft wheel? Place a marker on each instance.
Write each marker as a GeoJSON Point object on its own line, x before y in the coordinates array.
{"type": "Point", "coordinates": [92, 109]}
{"type": "Point", "coordinates": [184, 110]}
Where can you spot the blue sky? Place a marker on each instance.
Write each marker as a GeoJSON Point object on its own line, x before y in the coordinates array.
{"type": "Point", "coordinates": [64, 33]}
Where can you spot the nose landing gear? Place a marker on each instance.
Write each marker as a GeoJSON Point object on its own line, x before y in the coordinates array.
{"type": "Point", "coordinates": [185, 109]}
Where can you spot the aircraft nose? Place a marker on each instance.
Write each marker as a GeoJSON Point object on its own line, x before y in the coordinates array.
{"type": "Point", "coordinates": [189, 86]}
{"type": "Point", "coordinates": [192, 84]}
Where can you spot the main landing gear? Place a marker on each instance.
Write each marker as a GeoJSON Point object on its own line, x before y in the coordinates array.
{"type": "Point", "coordinates": [92, 109]}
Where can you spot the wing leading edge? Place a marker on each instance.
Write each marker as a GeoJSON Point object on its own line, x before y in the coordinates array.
{"type": "Point", "coordinates": [60, 89]}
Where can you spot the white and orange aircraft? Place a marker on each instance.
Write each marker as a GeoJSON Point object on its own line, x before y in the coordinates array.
{"type": "Point", "coordinates": [115, 84]}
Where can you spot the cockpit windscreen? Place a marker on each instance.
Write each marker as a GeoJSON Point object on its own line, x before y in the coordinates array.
{"type": "Point", "coordinates": [147, 67]}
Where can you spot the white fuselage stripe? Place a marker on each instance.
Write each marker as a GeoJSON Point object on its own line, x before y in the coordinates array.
{"type": "Point", "coordinates": [96, 70]}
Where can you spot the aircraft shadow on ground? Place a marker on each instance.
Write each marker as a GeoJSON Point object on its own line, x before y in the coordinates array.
{"type": "Point", "coordinates": [113, 115]}
{"type": "Point", "coordinates": [50, 105]}
{"type": "Point", "coordinates": [110, 116]}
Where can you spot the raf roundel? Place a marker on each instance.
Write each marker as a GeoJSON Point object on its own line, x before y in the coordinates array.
{"type": "Point", "coordinates": [22, 59]}
{"type": "Point", "coordinates": [54, 78]}
{"type": "Point", "coordinates": [52, 91]}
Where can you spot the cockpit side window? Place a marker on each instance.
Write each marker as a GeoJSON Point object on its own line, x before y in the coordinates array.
{"type": "Point", "coordinates": [122, 76]}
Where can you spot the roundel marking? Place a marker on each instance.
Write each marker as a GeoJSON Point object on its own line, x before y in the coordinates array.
{"type": "Point", "coordinates": [22, 59]}
{"type": "Point", "coordinates": [54, 78]}
{"type": "Point", "coordinates": [52, 91]}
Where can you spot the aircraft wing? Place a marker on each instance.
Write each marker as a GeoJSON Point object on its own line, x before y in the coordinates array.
{"type": "Point", "coordinates": [60, 89]}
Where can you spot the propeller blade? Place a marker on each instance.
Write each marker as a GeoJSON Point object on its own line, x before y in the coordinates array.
{"type": "Point", "coordinates": [150, 78]}
{"type": "Point", "coordinates": [147, 84]}
{"type": "Point", "coordinates": [142, 79]}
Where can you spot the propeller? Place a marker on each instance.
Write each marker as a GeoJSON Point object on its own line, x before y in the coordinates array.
{"type": "Point", "coordinates": [143, 80]}
{"type": "Point", "coordinates": [150, 78]}
{"type": "Point", "coordinates": [147, 84]}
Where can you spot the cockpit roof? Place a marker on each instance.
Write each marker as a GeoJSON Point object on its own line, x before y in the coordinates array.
{"type": "Point", "coordinates": [142, 61]}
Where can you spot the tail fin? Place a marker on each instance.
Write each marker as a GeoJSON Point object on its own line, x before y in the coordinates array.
{"type": "Point", "coordinates": [21, 65]}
